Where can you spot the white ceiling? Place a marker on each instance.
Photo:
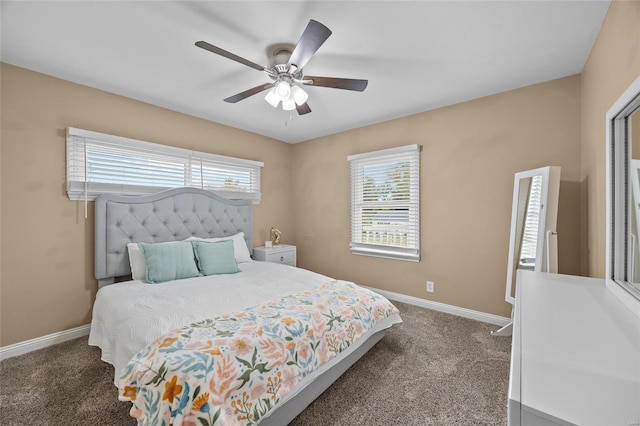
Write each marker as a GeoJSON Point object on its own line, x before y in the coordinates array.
{"type": "Point", "coordinates": [417, 56]}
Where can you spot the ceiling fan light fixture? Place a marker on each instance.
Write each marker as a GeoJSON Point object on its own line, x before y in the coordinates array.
{"type": "Point", "coordinates": [272, 97]}
{"type": "Point", "coordinates": [299, 95]}
{"type": "Point", "coordinates": [283, 90]}
{"type": "Point", "coordinates": [285, 71]}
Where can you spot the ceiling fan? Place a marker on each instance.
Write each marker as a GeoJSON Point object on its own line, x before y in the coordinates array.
{"type": "Point", "coordinates": [288, 75]}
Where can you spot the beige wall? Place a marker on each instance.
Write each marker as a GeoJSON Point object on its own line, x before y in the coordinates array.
{"type": "Point", "coordinates": [470, 154]}
{"type": "Point", "coordinates": [614, 63]}
{"type": "Point", "coordinates": [47, 271]}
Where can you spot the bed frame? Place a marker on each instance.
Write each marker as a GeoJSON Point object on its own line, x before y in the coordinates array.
{"type": "Point", "coordinates": [175, 215]}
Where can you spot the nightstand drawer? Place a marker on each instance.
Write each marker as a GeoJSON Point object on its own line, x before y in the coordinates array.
{"type": "Point", "coordinates": [286, 257]}
{"type": "Point", "coordinates": [283, 254]}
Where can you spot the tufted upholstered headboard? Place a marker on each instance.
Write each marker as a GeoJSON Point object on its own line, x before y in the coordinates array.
{"type": "Point", "coordinates": [171, 215]}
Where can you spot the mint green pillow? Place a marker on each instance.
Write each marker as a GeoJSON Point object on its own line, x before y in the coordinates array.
{"type": "Point", "coordinates": [215, 258]}
{"type": "Point", "coordinates": [169, 261]}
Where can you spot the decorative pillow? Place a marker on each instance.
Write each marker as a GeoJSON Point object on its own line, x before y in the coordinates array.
{"type": "Point", "coordinates": [239, 245]}
{"type": "Point", "coordinates": [215, 258]}
{"type": "Point", "coordinates": [169, 261]}
{"type": "Point", "coordinates": [137, 262]}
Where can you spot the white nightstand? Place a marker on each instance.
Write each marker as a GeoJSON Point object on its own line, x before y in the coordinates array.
{"type": "Point", "coordinates": [282, 253]}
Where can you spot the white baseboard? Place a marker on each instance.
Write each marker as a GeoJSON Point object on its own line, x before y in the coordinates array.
{"type": "Point", "coordinates": [43, 342]}
{"type": "Point", "coordinates": [442, 307]}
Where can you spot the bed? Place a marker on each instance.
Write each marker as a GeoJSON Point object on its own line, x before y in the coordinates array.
{"type": "Point", "coordinates": [256, 346]}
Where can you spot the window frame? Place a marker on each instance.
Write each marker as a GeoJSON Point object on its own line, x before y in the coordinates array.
{"type": "Point", "coordinates": [618, 196]}
{"type": "Point", "coordinates": [409, 153]}
{"type": "Point", "coordinates": [79, 188]}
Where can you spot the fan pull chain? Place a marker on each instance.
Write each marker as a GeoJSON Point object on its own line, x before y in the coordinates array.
{"type": "Point", "coordinates": [290, 120]}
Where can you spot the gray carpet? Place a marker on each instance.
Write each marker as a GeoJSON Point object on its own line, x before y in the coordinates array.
{"type": "Point", "coordinates": [435, 369]}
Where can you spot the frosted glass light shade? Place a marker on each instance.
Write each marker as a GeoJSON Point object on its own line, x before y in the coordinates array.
{"type": "Point", "coordinates": [272, 98]}
{"type": "Point", "coordinates": [288, 104]}
{"type": "Point", "coordinates": [283, 90]}
{"type": "Point", "coordinates": [299, 95]}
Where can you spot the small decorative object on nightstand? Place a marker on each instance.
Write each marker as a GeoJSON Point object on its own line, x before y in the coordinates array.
{"type": "Point", "coordinates": [275, 235]}
{"type": "Point", "coordinates": [282, 253]}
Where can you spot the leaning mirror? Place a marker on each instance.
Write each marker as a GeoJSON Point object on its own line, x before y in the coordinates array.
{"type": "Point", "coordinates": [532, 240]}
{"type": "Point", "coordinates": [623, 198]}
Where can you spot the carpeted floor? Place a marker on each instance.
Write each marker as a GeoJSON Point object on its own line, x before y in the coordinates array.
{"type": "Point", "coordinates": [434, 369]}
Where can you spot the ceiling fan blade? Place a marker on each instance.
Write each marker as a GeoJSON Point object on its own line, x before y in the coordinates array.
{"type": "Point", "coordinates": [337, 83]}
{"type": "Point", "coordinates": [310, 41]}
{"type": "Point", "coordinates": [303, 109]}
{"type": "Point", "coordinates": [211, 48]}
{"type": "Point", "coordinates": [243, 95]}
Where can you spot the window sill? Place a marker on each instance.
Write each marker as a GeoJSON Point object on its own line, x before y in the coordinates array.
{"type": "Point", "coordinates": [387, 253]}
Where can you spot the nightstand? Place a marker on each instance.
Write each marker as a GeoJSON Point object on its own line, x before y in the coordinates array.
{"type": "Point", "coordinates": [282, 253]}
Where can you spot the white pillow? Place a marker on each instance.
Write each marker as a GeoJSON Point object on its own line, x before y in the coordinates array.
{"type": "Point", "coordinates": [137, 262]}
{"type": "Point", "coordinates": [239, 245]}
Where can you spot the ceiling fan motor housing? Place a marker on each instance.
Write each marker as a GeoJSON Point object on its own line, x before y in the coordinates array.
{"type": "Point", "coordinates": [278, 59]}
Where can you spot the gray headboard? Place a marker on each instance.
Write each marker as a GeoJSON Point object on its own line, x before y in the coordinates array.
{"type": "Point", "coordinates": [171, 215]}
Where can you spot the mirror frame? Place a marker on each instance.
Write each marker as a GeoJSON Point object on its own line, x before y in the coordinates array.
{"type": "Point", "coordinates": [617, 191]}
{"type": "Point", "coordinates": [549, 203]}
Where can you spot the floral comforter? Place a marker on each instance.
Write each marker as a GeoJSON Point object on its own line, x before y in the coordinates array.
{"type": "Point", "coordinates": [233, 369]}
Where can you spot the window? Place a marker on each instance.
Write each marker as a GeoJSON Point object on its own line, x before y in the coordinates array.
{"type": "Point", "coordinates": [385, 203]}
{"type": "Point", "coordinates": [623, 228]}
{"type": "Point", "coordinates": [98, 163]}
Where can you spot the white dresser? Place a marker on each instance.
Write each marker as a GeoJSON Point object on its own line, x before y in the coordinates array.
{"type": "Point", "coordinates": [282, 253]}
{"type": "Point", "coordinates": [575, 355]}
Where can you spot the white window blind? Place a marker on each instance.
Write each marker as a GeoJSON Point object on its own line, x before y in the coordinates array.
{"type": "Point", "coordinates": [385, 203]}
{"type": "Point", "coordinates": [98, 163]}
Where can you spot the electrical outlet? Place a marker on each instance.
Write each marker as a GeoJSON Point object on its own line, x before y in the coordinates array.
{"type": "Point", "coordinates": [430, 286]}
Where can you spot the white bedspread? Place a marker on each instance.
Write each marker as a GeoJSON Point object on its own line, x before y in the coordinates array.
{"type": "Point", "coordinates": [128, 316]}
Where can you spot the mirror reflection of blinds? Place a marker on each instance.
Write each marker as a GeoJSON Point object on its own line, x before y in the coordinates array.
{"type": "Point", "coordinates": [385, 203]}
{"type": "Point", "coordinates": [99, 163]}
{"type": "Point", "coordinates": [530, 234]}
